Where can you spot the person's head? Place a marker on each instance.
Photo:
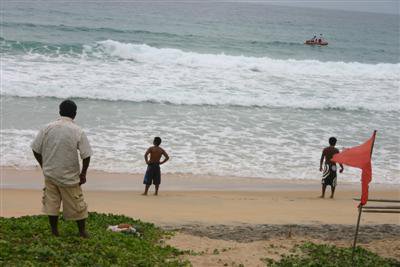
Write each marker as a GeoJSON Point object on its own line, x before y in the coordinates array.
{"type": "Point", "coordinates": [332, 141]}
{"type": "Point", "coordinates": [157, 141]}
{"type": "Point", "coordinates": [68, 109]}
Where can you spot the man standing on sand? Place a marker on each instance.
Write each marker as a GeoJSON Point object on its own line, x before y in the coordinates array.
{"type": "Point", "coordinates": [329, 175]}
{"type": "Point", "coordinates": [55, 148]}
{"type": "Point", "coordinates": [153, 172]}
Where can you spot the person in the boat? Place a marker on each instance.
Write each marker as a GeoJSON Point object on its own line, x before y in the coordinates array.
{"type": "Point", "coordinates": [314, 39]}
{"type": "Point", "coordinates": [320, 39]}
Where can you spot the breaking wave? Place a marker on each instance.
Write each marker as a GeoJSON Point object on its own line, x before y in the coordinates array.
{"type": "Point", "coordinates": [112, 70]}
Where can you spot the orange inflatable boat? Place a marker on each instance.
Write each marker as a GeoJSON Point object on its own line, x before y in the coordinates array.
{"type": "Point", "coordinates": [315, 42]}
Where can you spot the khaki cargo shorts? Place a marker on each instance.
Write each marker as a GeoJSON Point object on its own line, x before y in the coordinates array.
{"type": "Point", "coordinates": [74, 206]}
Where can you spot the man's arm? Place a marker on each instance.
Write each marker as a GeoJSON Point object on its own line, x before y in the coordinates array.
{"type": "Point", "coordinates": [36, 147]}
{"type": "Point", "coordinates": [166, 157]}
{"type": "Point", "coordinates": [38, 157]}
{"type": "Point", "coordinates": [85, 153]}
{"type": "Point", "coordinates": [322, 160]}
{"type": "Point", "coordinates": [340, 164]}
{"type": "Point", "coordinates": [146, 156]}
{"type": "Point", "coordinates": [85, 166]}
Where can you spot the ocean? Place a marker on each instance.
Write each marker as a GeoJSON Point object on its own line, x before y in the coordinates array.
{"type": "Point", "coordinates": [229, 87]}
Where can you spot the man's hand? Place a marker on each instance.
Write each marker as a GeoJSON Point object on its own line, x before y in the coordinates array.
{"type": "Point", "coordinates": [85, 166]}
{"type": "Point", "coordinates": [82, 178]}
{"type": "Point", "coordinates": [166, 157]}
{"type": "Point", "coordinates": [146, 155]}
{"type": "Point", "coordinates": [320, 169]}
{"type": "Point", "coordinates": [341, 168]}
{"type": "Point", "coordinates": [38, 157]}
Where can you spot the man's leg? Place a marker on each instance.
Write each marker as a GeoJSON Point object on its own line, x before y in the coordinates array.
{"type": "Point", "coordinates": [82, 228]}
{"type": "Point", "coordinates": [332, 191]}
{"type": "Point", "coordinates": [146, 189]}
{"type": "Point", "coordinates": [156, 193]}
{"type": "Point", "coordinates": [157, 179]}
{"type": "Point", "coordinates": [53, 220]}
{"type": "Point", "coordinates": [75, 207]}
{"type": "Point", "coordinates": [323, 191]}
{"type": "Point", "coordinates": [51, 202]}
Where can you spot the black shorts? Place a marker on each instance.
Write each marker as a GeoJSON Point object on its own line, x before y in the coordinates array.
{"type": "Point", "coordinates": [329, 175]}
{"type": "Point", "coordinates": [153, 174]}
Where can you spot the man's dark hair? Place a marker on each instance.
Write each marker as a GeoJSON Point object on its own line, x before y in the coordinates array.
{"type": "Point", "coordinates": [332, 141]}
{"type": "Point", "coordinates": [157, 141]}
{"type": "Point", "coordinates": [68, 109]}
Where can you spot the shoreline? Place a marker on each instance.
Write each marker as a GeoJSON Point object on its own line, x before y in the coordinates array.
{"type": "Point", "coordinates": [13, 178]}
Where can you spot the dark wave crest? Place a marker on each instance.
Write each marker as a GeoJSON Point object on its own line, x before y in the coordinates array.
{"type": "Point", "coordinates": [170, 103]}
{"type": "Point", "coordinates": [131, 35]}
{"type": "Point", "coordinates": [68, 28]}
{"type": "Point", "coordinates": [12, 46]}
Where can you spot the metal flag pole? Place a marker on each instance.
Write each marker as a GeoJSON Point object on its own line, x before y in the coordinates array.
{"type": "Point", "coordinates": [360, 206]}
{"type": "Point", "coordinates": [356, 235]}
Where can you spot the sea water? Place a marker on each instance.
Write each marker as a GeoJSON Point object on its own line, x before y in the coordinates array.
{"type": "Point", "coordinates": [230, 87]}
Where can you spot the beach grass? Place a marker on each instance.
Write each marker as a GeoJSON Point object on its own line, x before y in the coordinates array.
{"type": "Point", "coordinates": [27, 241]}
{"type": "Point", "coordinates": [310, 254]}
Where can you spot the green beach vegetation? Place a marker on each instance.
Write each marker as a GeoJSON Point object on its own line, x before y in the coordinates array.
{"type": "Point", "coordinates": [27, 241]}
{"type": "Point", "coordinates": [316, 255]}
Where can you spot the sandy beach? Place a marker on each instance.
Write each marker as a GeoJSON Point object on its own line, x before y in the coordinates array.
{"type": "Point", "coordinates": [203, 199]}
{"type": "Point", "coordinates": [226, 214]}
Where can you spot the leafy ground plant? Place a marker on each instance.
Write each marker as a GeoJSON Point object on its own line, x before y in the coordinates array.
{"type": "Point", "coordinates": [26, 241]}
{"type": "Point", "coordinates": [310, 254]}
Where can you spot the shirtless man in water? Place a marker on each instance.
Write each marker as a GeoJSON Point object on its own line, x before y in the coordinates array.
{"type": "Point", "coordinates": [329, 171]}
{"type": "Point", "coordinates": [153, 172]}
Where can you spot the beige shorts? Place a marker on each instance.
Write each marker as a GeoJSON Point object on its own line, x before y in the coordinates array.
{"type": "Point", "coordinates": [74, 206]}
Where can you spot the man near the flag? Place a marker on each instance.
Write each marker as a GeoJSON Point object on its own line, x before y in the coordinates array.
{"type": "Point", "coordinates": [329, 174]}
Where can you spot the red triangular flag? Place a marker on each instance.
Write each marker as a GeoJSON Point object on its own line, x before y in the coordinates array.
{"type": "Point", "coordinates": [359, 157]}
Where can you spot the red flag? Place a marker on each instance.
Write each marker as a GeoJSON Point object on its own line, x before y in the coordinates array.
{"type": "Point", "coordinates": [359, 157]}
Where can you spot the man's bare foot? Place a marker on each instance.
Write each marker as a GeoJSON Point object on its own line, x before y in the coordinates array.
{"type": "Point", "coordinates": [144, 194]}
{"type": "Point", "coordinates": [55, 233]}
{"type": "Point", "coordinates": [84, 234]}
{"type": "Point", "coordinates": [321, 196]}
{"type": "Point", "coordinates": [331, 196]}
{"type": "Point", "coordinates": [156, 194]}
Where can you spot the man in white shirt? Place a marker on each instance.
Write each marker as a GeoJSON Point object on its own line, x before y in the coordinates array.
{"type": "Point", "coordinates": [56, 149]}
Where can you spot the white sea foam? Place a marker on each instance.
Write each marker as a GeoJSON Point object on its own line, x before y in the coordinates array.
{"type": "Point", "coordinates": [112, 70]}
{"type": "Point", "coordinates": [119, 150]}
{"type": "Point", "coordinates": [266, 143]}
